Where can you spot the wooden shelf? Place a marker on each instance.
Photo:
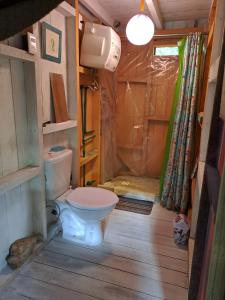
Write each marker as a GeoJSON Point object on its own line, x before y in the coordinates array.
{"type": "Point", "coordinates": [17, 178]}
{"type": "Point", "coordinates": [156, 119]}
{"type": "Point", "coordinates": [89, 157]}
{"type": "Point", "coordinates": [16, 53]}
{"type": "Point", "coordinates": [54, 127]}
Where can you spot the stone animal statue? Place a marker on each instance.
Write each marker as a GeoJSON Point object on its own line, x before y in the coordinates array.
{"type": "Point", "coordinates": [21, 249]}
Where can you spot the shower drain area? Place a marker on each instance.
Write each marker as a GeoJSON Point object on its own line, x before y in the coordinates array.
{"type": "Point", "coordinates": [133, 187]}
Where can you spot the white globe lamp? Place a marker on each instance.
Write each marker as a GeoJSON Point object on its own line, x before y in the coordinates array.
{"type": "Point", "coordinates": [140, 29]}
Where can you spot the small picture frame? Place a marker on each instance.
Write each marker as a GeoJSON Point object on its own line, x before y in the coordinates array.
{"type": "Point", "coordinates": [51, 43]}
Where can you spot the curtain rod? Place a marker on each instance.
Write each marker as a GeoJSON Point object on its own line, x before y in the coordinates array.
{"type": "Point", "coordinates": [178, 34]}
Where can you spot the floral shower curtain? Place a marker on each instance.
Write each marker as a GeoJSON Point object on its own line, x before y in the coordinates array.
{"type": "Point", "coordinates": [176, 181]}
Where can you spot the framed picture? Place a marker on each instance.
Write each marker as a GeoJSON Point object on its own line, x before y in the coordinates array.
{"type": "Point", "coordinates": [51, 43]}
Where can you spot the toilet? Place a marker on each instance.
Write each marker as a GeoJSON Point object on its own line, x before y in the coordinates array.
{"type": "Point", "coordinates": [82, 210]}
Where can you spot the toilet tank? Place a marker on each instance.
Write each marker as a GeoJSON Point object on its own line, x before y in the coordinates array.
{"type": "Point", "coordinates": [57, 173]}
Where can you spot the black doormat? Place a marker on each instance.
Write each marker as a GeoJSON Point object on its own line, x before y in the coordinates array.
{"type": "Point", "coordinates": [136, 206]}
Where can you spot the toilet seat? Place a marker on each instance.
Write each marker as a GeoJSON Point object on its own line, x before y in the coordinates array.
{"type": "Point", "coordinates": [91, 198]}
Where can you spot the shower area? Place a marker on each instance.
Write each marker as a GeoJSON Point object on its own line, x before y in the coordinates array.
{"type": "Point", "coordinates": [136, 103]}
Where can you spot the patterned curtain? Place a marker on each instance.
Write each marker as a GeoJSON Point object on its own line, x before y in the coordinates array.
{"type": "Point", "coordinates": [176, 185]}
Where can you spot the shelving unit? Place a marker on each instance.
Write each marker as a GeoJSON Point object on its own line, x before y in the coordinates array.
{"type": "Point", "coordinates": [89, 166]}
{"type": "Point", "coordinates": [91, 155]}
{"type": "Point", "coordinates": [22, 181]}
{"type": "Point", "coordinates": [12, 52]}
{"type": "Point", "coordinates": [55, 127]}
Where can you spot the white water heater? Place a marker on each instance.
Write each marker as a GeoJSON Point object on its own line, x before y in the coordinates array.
{"type": "Point", "coordinates": [100, 48]}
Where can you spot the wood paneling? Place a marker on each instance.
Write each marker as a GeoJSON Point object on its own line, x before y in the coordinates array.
{"type": "Point", "coordinates": [20, 112]}
{"type": "Point", "coordinates": [9, 160]}
{"type": "Point", "coordinates": [16, 218]}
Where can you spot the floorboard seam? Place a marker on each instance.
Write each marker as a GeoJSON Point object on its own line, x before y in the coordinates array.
{"type": "Point", "coordinates": [85, 260]}
{"type": "Point", "coordinates": [121, 286]}
{"type": "Point", "coordinates": [149, 251]}
{"type": "Point", "coordinates": [60, 286]}
{"type": "Point", "coordinates": [153, 253]}
{"type": "Point", "coordinates": [129, 259]}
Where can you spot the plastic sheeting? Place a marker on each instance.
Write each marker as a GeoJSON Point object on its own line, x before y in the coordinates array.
{"type": "Point", "coordinates": [136, 106]}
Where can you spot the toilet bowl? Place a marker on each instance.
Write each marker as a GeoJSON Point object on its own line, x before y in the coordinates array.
{"type": "Point", "coordinates": [82, 213]}
{"type": "Point", "coordinates": [82, 210]}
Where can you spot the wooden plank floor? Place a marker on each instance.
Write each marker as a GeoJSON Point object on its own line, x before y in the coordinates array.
{"type": "Point", "coordinates": [138, 260]}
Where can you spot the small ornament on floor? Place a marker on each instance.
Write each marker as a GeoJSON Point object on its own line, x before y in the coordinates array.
{"type": "Point", "coordinates": [181, 230]}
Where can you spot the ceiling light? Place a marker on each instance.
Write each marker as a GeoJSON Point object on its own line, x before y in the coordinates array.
{"type": "Point", "coordinates": [140, 28]}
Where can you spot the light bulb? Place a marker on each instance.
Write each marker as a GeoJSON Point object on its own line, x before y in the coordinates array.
{"type": "Point", "coordinates": [140, 29]}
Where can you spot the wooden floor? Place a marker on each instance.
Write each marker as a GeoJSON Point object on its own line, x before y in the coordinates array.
{"type": "Point", "coordinates": [138, 260]}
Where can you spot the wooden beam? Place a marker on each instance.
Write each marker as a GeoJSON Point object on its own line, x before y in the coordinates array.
{"type": "Point", "coordinates": [66, 9]}
{"type": "Point", "coordinates": [154, 10]}
{"type": "Point", "coordinates": [75, 142]}
{"type": "Point", "coordinates": [97, 10]}
{"type": "Point", "coordinates": [180, 31]}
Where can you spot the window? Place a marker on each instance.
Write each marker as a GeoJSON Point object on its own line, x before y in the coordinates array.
{"type": "Point", "coordinates": [166, 51]}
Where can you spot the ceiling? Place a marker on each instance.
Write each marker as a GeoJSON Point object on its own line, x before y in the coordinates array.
{"type": "Point", "coordinates": [169, 10]}
{"type": "Point", "coordinates": [173, 10]}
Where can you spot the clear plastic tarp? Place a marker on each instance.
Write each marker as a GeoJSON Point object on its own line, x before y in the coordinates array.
{"type": "Point", "coordinates": [136, 106]}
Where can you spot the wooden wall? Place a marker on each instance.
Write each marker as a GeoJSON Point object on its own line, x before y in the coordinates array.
{"type": "Point", "coordinates": [19, 207]}
{"type": "Point", "coordinates": [16, 217]}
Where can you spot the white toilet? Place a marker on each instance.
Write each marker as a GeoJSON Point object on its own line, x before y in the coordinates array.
{"type": "Point", "coordinates": [81, 210]}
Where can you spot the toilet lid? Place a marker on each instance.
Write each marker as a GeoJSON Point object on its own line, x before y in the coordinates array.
{"type": "Point", "coordinates": [92, 198]}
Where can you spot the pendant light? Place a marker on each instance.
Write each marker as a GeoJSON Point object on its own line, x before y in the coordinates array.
{"type": "Point", "coordinates": [140, 28]}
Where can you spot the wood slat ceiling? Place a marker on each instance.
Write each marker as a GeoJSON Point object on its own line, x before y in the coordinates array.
{"type": "Point", "coordinates": [171, 10]}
